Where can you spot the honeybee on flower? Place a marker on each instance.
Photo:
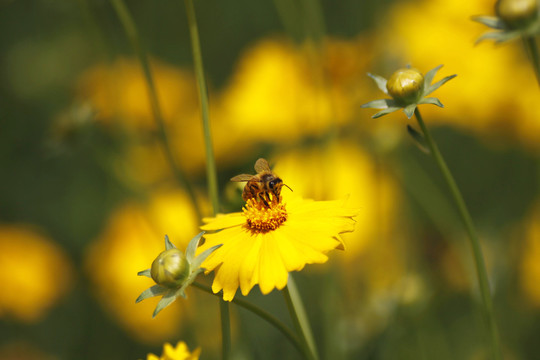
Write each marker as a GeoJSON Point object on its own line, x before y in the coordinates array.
{"type": "Point", "coordinates": [260, 186]}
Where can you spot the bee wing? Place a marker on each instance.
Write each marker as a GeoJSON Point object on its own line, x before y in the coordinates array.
{"type": "Point", "coordinates": [242, 177]}
{"type": "Point", "coordinates": [262, 166]}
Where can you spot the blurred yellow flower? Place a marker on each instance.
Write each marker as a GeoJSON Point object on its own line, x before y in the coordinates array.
{"type": "Point", "coordinates": [118, 91]}
{"type": "Point", "coordinates": [483, 97]}
{"type": "Point", "coordinates": [180, 352]}
{"type": "Point", "coordinates": [530, 265]}
{"type": "Point", "coordinates": [34, 274]}
{"type": "Point", "coordinates": [130, 241]}
{"type": "Point", "coordinates": [261, 245]}
{"type": "Point", "coordinates": [281, 92]}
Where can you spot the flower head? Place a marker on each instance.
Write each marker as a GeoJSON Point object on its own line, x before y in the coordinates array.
{"type": "Point", "coordinates": [262, 244]}
{"type": "Point", "coordinates": [173, 272]}
{"type": "Point", "coordinates": [408, 89]}
{"type": "Point", "coordinates": [180, 352]}
{"type": "Point", "coordinates": [515, 18]}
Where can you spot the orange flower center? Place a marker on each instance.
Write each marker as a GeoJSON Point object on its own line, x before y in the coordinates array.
{"type": "Point", "coordinates": [261, 218]}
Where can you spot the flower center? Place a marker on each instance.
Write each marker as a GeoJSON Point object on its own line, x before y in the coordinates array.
{"type": "Point", "coordinates": [261, 218]}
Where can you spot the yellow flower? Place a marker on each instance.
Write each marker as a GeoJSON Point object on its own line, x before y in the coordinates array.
{"type": "Point", "coordinates": [129, 242]}
{"type": "Point", "coordinates": [180, 352]}
{"type": "Point", "coordinates": [34, 274]}
{"type": "Point", "coordinates": [261, 245]}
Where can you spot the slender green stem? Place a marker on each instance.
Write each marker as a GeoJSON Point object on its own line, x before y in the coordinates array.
{"type": "Point", "coordinates": [210, 161]}
{"type": "Point", "coordinates": [474, 242]}
{"type": "Point", "coordinates": [271, 319]}
{"type": "Point", "coordinates": [203, 96]}
{"type": "Point", "coordinates": [532, 50]}
{"type": "Point", "coordinates": [299, 319]}
{"type": "Point", "coordinates": [131, 31]}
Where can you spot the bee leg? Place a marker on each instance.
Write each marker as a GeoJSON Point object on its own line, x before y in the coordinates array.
{"type": "Point", "coordinates": [265, 199]}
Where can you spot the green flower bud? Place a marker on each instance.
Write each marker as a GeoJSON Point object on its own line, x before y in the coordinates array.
{"type": "Point", "coordinates": [517, 14]}
{"type": "Point", "coordinates": [170, 268]}
{"type": "Point", "coordinates": [406, 86]}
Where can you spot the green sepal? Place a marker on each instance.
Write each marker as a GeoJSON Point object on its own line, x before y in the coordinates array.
{"type": "Point", "coordinates": [418, 139]}
{"type": "Point", "coordinates": [431, 88]}
{"type": "Point", "coordinates": [380, 81]}
{"type": "Point", "coordinates": [432, 101]}
{"type": "Point", "coordinates": [409, 110]}
{"type": "Point", "coordinates": [167, 300]}
{"type": "Point", "coordinates": [192, 248]}
{"type": "Point", "coordinates": [380, 104]}
{"type": "Point", "coordinates": [168, 245]}
{"type": "Point", "coordinates": [202, 256]}
{"type": "Point", "coordinates": [490, 21]}
{"type": "Point", "coordinates": [430, 75]}
{"type": "Point", "coordinates": [498, 36]}
{"type": "Point", "coordinates": [385, 112]}
{"type": "Point", "coordinates": [145, 273]}
{"type": "Point", "coordinates": [152, 291]}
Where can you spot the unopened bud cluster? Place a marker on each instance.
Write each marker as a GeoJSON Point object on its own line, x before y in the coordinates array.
{"type": "Point", "coordinates": [170, 268]}
{"type": "Point", "coordinates": [517, 14]}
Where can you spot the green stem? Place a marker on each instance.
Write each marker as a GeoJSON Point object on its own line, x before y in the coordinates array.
{"type": "Point", "coordinates": [131, 30]}
{"type": "Point", "coordinates": [210, 161]}
{"type": "Point", "coordinates": [203, 96]}
{"type": "Point", "coordinates": [299, 319]}
{"type": "Point", "coordinates": [532, 50]}
{"type": "Point", "coordinates": [474, 242]}
{"type": "Point", "coordinates": [262, 314]}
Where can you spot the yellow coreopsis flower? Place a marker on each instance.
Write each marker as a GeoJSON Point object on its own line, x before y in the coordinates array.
{"type": "Point", "coordinates": [180, 352]}
{"type": "Point", "coordinates": [267, 240]}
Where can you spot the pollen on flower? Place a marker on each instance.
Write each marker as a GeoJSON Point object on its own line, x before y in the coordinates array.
{"type": "Point", "coordinates": [261, 218]}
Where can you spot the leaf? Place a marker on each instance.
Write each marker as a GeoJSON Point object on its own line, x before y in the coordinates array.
{"type": "Point", "coordinates": [385, 112]}
{"type": "Point", "coordinates": [379, 104]}
{"type": "Point", "coordinates": [418, 139]}
{"type": "Point", "coordinates": [438, 84]}
{"type": "Point", "coordinates": [145, 273]}
{"type": "Point", "coordinates": [380, 81]}
{"type": "Point", "coordinates": [432, 101]}
{"type": "Point", "coordinates": [200, 259]}
{"type": "Point", "coordinates": [490, 21]}
{"type": "Point", "coordinates": [409, 110]}
{"type": "Point", "coordinates": [168, 245]}
{"type": "Point", "coordinates": [192, 247]}
{"type": "Point", "coordinates": [155, 290]}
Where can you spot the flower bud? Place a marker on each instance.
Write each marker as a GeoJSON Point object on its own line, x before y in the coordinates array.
{"type": "Point", "coordinates": [517, 14]}
{"type": "Point", "coordinates": [170, 268]}
{"type": "Point", "coordinates": [405, 86]}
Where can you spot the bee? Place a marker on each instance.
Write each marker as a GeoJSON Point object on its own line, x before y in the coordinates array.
{"type": "Point", "coordinates": [260, 186]}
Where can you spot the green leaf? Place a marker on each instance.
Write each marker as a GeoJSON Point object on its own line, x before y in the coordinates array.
{"type": "Point", "coordinates": [490, 21]}
{"type": "Point", "coordinates": [380, 104]}
{"type": "Point", "coordinates": [385, 112]}
{"type": "Point", "coordinates": [432, 101]}
{"type": "Point", "coordinates": [192, 247]}
{"type": "Point", "coordinates": [168, 245]}
{"type": "Point", "coordinates": [438, 84]}
{"type": "Point", "coordinates": [200, 259]}
{"type": "Point", "coordinates": [380, 81]}
{"type": "Point", "coordinates": [409, 110]}
{"type": "Point", "coordinates": [418, 139]}
{"type": "Point", "coordinates": [165, 301]}
{"type": "Point", "coordinates": [155, 290]}
{"type": "Point", "coordinates": [145, 273]}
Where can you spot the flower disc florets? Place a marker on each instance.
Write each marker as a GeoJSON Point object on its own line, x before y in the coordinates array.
{"type": "Point", "coordinates": [170, 268]}
{"type": "Point", "coordinates": [261, 218]}
{"type": "Point", "coordinates": [406, 86]}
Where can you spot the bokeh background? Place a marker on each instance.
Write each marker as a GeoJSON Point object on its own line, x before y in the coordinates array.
{"type": "Point", "coordinates": [86, 193]}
